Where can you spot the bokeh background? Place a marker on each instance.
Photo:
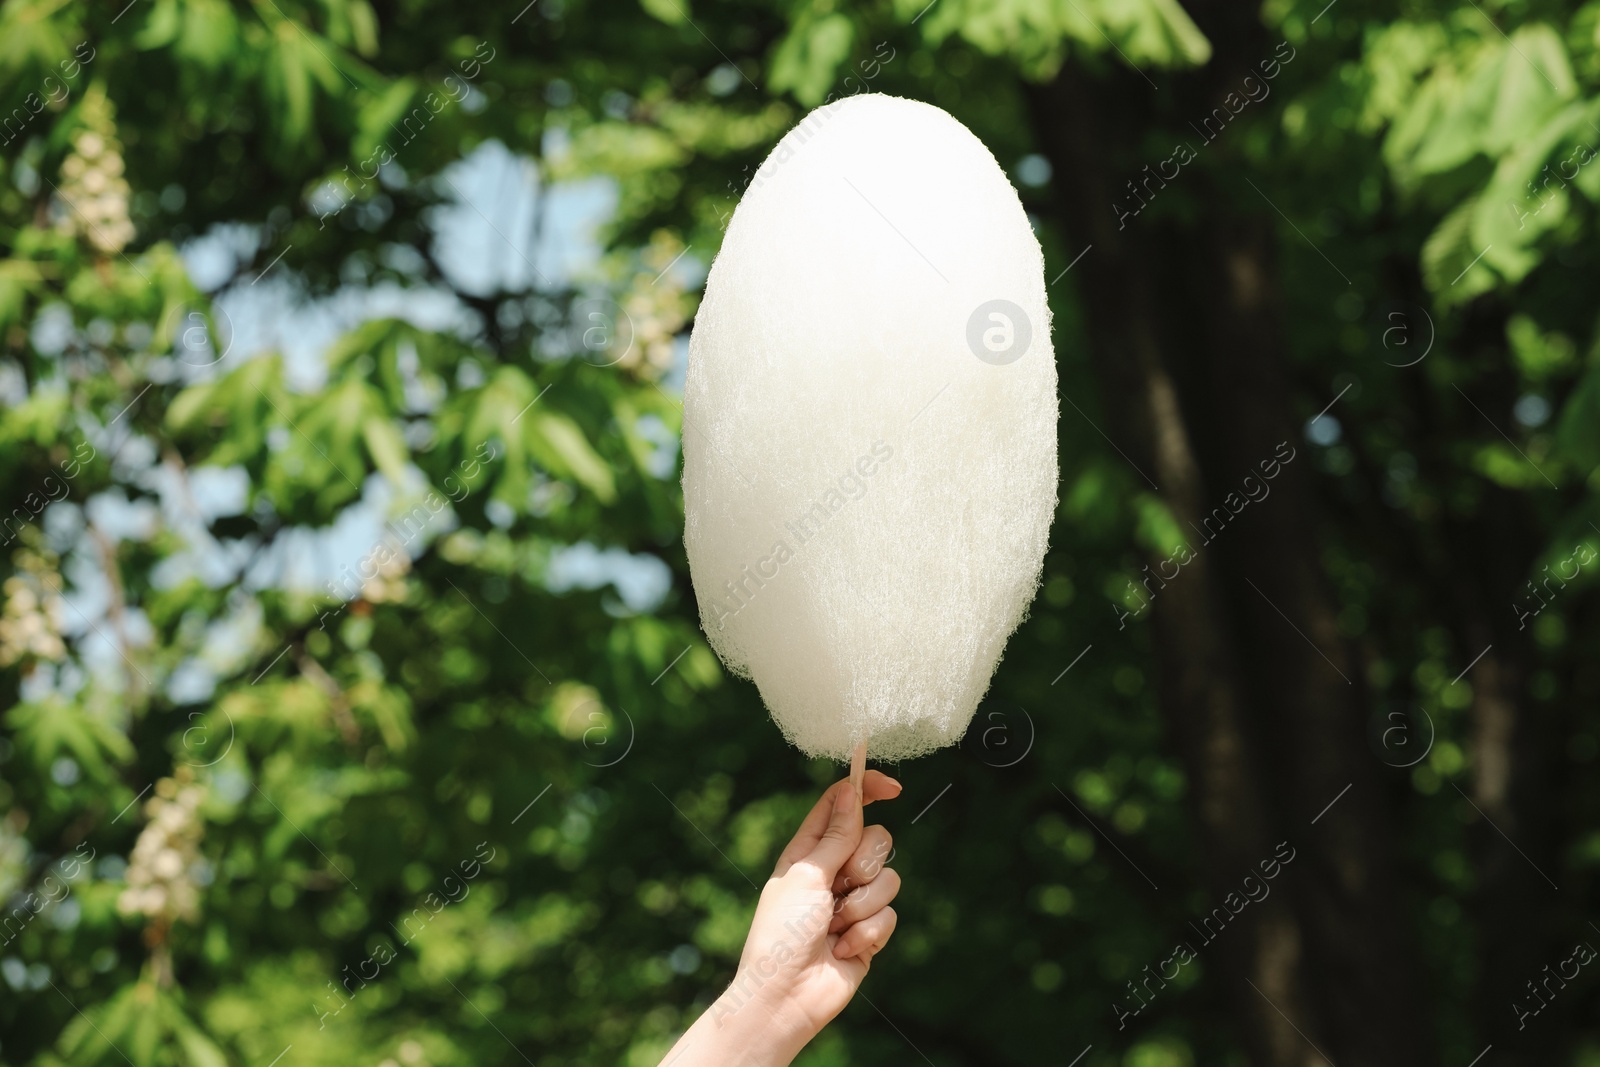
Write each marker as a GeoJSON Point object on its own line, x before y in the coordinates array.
{"type": "Point", "coordinates": [355, 705]}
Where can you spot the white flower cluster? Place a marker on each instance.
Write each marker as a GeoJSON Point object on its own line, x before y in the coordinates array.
{"type": "Point", "coordinates": [93, 188]}
{"type": "Point", "coordinates": [33, 616]}
{"type": "Point", "coordinates": [412, 1054]}
{"type": "Point", "coordinates": [160, 885]}
{"type": "Point", "coordinates": [657, 308]}
{"type": "Point", "coordinates": [389, 583]}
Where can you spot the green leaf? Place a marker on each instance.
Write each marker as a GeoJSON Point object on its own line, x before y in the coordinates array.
{"type": "Point", "coordinates": [672, 12]}
{"type": "Point", "coordinates": [198, 1049]}
{"type": "Point", "coordinates": [1451, 266]}
{"type": "Point", "coordinates": [1453, 112]}
{"type": "Point", "coordinates": [210, 37]}
{"type": "Point", "coordinates": [62, 728]}
{"type": "Point", "coordinates": [557, 440]}
{"type": "Point", "coordinates": [807, 60]}
{"type": "Point", "coordinates": [1578, 430]}
{"type": "Point", "coordinates": [1156, 527]}
{"type": "Point", "coordinates": [162, 26]}
{"type": "Point", "coordinates": [379, 114]}
{"type": "Point", "coordinates": [1535, 78]}
{"type": "Point", "coordinates": [387, 447]}
{"type": "Point", "coordinates": [288, 84]}
{"type": "Point", "coordinates": [1035, 33]}
{"type": "Point", "coordinates": [363, 27]}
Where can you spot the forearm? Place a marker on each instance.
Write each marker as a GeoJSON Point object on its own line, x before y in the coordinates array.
{"type": "Point", "coordinates": [738, 1031]}
{"type": "Point", "coordinates": [797, 972]}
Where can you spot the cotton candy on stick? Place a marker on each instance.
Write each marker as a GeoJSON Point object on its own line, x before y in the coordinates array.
{"type": "Point", "coordinates": [869, 434]}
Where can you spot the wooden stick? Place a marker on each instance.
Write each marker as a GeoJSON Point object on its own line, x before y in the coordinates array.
{"type": "Point", "coordinates": [858, 770]}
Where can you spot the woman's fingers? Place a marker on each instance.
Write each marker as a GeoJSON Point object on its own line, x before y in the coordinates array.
{"type": "Point", "coordinates": [869, 858]}
{"type": "Point", "coordinates": [867, 937]}
{"type": "Point", "coordinates": [866, 901]}
{"type": "Point", "coordinates": [877, 786]}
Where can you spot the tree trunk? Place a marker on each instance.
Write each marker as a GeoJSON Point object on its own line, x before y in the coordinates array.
{"type": "Point", "coordinates": [1200, 694]}
{"type": "Point", "coordinates": [1516, 824]}
{"type": "Point", "coordinates": [1198, 402]}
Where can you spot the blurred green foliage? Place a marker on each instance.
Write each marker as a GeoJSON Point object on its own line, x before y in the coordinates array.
{"type": "Point", "coordinates": [280, 861]}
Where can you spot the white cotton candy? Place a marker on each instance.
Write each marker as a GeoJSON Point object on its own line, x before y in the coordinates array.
{"type": "Point", "coordinates": [869, 439]}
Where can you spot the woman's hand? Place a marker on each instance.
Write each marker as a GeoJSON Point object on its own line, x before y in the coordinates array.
{"type": "Point", "coordinates": [822, 917]}
{"type": "Point", "coordinates": [823, 914]}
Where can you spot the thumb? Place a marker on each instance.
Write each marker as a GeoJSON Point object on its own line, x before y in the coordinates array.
{"type": "Point", "coordinates": [839, 840]}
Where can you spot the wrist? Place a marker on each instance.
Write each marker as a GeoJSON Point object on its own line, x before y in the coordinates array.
{"type": "Point", "coordinates": [739, 1030]}
{"type": "Point", "coordinates": [753, 1027]}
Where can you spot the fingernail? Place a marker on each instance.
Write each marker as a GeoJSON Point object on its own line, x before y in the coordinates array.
{"type": "Point", "coordinates": [846, 800]}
